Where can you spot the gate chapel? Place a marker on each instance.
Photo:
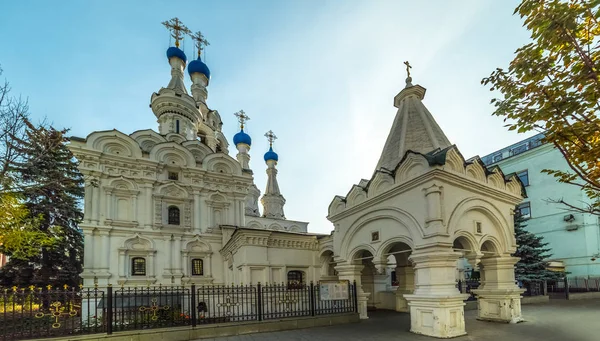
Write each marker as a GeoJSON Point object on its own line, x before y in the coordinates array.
{"type": "Point", "coordinates": [172, 207]}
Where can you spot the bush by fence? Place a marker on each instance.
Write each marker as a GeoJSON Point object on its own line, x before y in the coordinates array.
{"type": "Point", "coordinates": [52, 312]}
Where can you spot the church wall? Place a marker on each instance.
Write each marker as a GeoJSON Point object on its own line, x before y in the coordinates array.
{"type": "Point", "coordinates": [271, 264]}
{"type": "Point", "coordinates": [438, 208]}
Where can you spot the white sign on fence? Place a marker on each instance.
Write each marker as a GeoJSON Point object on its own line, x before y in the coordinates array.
{"type": "Point", "coordinates": [334, 290]}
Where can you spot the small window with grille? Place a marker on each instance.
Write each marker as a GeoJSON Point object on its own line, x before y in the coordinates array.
{"type": "Point", "coordinates": [295, 280]}
{"type": "Point", "coordinates": [138, 266]}
{"type": "Point", "coordinates": [197, 267]}
{"type": "Point", "coordinates": [173, 176]}
{"type": "Point", "coordinates": [173, 215]}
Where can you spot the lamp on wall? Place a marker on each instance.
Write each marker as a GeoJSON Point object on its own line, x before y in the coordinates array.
{"type": "Point", "coordinates": [569, 218]}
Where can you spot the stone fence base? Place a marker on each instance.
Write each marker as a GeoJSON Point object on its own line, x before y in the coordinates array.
{"type": "Point", "coordinates": [217, 330]}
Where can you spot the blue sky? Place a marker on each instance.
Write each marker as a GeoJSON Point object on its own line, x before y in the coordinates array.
{"type": "Point", "coordinates": [321, 74]}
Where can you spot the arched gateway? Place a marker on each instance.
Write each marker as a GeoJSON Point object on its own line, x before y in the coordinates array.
{"type": "Point", "coordinates": [423, 209]}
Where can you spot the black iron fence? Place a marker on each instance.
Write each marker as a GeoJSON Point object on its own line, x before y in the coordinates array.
{"type": "Point", "coordinates": [575, 284]}
{"type": "Point", "coordinates": [30, 313]}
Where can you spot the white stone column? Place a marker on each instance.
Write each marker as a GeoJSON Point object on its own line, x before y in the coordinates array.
{"type": "Point", "coordinates": [148, 215]}
{"type": "Point", "coordinates": [88, 251]}
{"type": "Point", "coordinates": [122, 265]}
{"type": "Point", "coordinates": [87, 202]}
{"type": "Point", "coordinates": [197, 213]}
{"type": "Point", "coordinates": [353, 273]}
{"type": "Point", "coordinates": [498, 297]}
{"type": "Point", "coordinates": [96, 201]}
{"type": "Point", "coordinates": [176, 254]}
{"type": "Point", "coordinates": [405, 275]}
{"type": "Point", "coordinates": [104, 253]}
{"type": "Point", "coordinates": [436, 306]}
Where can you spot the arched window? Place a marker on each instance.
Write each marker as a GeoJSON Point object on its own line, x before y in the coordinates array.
{"type": "Point", "coordinates": [177, 126]}
{"type": "Point", "coordinates": [295, 280]}
{"type": "Point", "coordinates": [197, 267]}
{"type": "Point", "coordinates": [138, 266]}
{"type": "Point", "coordinates": [173, 215]}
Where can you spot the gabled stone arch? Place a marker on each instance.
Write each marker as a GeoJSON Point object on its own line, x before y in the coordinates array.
{"type": "Point", "coordinates": [122, 183]}
{"type": "Point", "coordinates": [174, 137]}
{"type": "Point", "coordinates": [389, 243]}
{"type": "Point", "coordinates": [514, 185]}
{"type": "Point", "coordinates": [496, 179]}
{"type": "Point", "coordinates": [454, 161]}
{"type": "Point", "coordinates": [172, 154]}
{"type": "Point", "coordinates": [147, 139]}
{"type": "Point", "coordinates": [294, 228]}
{"type": "Point", "coordinates": [276, 227]}
{"type": "Point", "coordinates": [336, 206]}
{"type": "Point", "coordinates": [411, 167]}
{"type": "Point", "coordinates": [501, 228]}
{"type": "Point", "coordinates": [407, 226]}
{"type": "Point", "coordinates": [114, 142]}
{"type": "Point", "coordinates": [490, 244]}
{"type": "Point", "coordinates": [173, 190]}
{"type": "Point", "coordinates": [356, 251]}
{"type": "Point", "coordinates": [254, 225]}
{"type": "Point", "coordinates": [465, 237]}
{"type": "Point", "coordinates": [197, 245]}
{"type": "Point", "coordinates": [221, 163]}
{"type": "Point", "coordinates": [137, 242]}
{"type": "Point", "coordinates": [222, 142]}
{"type": "Point", "coordinates": [198, 149]}
{"type": "Point", "coordinates": [356, 196]}
{"type": "Point", "coordinates": [381, 183]}
{"type": "Point", "coordinates": [475, 171]}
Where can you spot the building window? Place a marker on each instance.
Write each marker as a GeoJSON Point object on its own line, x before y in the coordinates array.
{"type": "Point", "coordinates": [524, 210]}
{"type": "Point", "coordinates": [375, 236]}
{"type": "Point", "coordinates": [173, 176]}
{"type": "Point", "coordinates": [173, 215]}
{"type": "Point", "coordinates": [519, 149]}
{"type": "Point", "coordinates": [295, 280]}
{"type": "Point", "coordinates": [524, 176]}
{"type": "Point", "coordinates": [177, 126]}
{"type": "Point", "coordinates": [138, 266]}
{"type": "Point", "coordinates": [197, 267]}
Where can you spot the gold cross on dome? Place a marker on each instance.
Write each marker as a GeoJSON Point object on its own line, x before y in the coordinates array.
{"type": "Point", "coordinates": [199, 41]}
{"type": "Point", "coordinates": [408, 67]}
{"type": "Point", "coordinates": [271, 137]}
{"type": "Point", "coordinates": [242, 117]}
{"type": "Point", "coordinates": [177, 29]}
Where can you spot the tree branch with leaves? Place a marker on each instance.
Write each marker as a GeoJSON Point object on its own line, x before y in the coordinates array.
{"type": "Point", "coordinates": [552, 87]}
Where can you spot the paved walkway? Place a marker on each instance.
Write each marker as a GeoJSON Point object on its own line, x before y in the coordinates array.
{"type": "Point", "coordinates": [558, 320]}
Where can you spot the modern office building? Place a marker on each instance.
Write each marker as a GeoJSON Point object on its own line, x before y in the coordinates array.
{"type": "Point", "coordinates": [573, 237]}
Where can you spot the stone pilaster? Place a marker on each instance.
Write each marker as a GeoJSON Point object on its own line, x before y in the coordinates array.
{"type": "Point", "coordinates": [436, 306]}
{"type": "Point", "coordinates": [405, 275]}
{"type": "Point", "coordinates": [499, 298]}
{"type": "Point", "coordinates": [352, 273]}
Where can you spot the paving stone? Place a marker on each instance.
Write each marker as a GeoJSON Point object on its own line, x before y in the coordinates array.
{"type": "Point", "coordinates": [559, 320]}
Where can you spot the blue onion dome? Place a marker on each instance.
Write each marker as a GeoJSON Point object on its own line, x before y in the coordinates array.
{"type": "Point", "coordinates": [271, 155]}
{"type": "Point", "coordinates": [240, 137]}
{"type": "Point", "coordinates": [198, 66]}
{"type": "Point", "coordinates": [176, 52]}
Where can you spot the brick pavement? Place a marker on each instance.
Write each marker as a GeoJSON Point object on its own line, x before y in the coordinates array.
{"type": "Point", "coordinates": [558, 320]}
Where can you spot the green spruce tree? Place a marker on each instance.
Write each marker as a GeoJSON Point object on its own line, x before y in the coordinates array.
{"type": "Point", "coordinates": [51, 187]}
{"type": "Point", "coordinates": [533, 253]}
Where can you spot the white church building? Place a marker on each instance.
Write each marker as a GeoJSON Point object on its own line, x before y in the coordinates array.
{"type": "Point", "coordinates": [172, 207]}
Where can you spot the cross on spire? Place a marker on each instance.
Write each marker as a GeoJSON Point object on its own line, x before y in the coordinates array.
{"type": "Point", "coordinates": [177, 29]}
{"type": "Point", "coordinates": [408, 67]}
{"type": "Point", "coordinates": [271, 137]}
{"type": "Point", "coordinates": [242, 117]}
{"type": "Point", "coordinates": [199, 41]}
